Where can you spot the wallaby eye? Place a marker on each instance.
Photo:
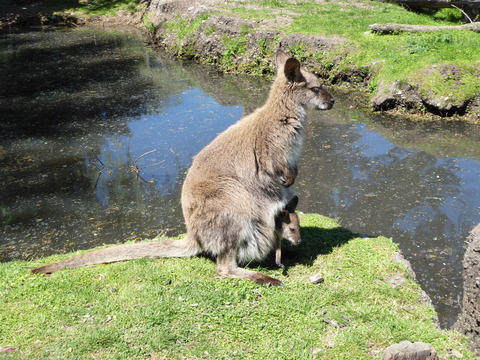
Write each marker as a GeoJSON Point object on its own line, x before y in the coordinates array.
{"type": "Point", "coordinates": [292, 230]}
{"type": "Point", "coordinates": [315, 89]}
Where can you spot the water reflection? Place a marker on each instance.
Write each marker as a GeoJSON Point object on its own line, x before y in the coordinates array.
{"type": "Point", "coordinates": [97, 133]}
{"type": "Point", "coordinates": [426, 203]}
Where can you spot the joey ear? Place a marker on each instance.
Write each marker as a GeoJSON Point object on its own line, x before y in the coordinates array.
{"type": "Point", "coordinates": [292, 204]}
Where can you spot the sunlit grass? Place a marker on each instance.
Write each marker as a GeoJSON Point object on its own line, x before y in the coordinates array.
{"type": "Point", "coordinates": [399, 57]}
{"type": "Point", "coordinates": [178, 308]}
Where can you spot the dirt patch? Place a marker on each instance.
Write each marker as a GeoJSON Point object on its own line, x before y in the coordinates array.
{"type": "Point", "coordinates": [229, 25]}
{"type": "Point", "coordinates": [278, 22]}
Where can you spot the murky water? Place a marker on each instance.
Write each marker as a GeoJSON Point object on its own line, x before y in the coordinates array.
{"type": "Point", "coordinates": [97, 132]}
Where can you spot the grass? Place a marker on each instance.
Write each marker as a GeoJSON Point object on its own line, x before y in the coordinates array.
{"type": "Point", "coordinates": [366, 59]}
{"type": "Point", "coordinates": [178, 308]}
{"type": "Point", "coordinates": [406, 58]}
{"type": "Point", "coordinates": [399, 57]}
{"type": "Point", "coordinates": [182, 29]}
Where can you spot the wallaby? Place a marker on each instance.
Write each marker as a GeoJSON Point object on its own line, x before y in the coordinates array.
{"type": "Point", "coordinates": [235, 187]}
{"type": "Point", "coordinates": [287, 226]}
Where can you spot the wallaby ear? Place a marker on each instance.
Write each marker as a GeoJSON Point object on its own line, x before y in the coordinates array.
{"type": "Point", "coordinates": [288, 65]}
{"type": "Point", "coordinates": [280, 59]}
{"type": "Point", "coordinates": [292, 204]}
{"type": "Point", "coordinates": [292, 70]}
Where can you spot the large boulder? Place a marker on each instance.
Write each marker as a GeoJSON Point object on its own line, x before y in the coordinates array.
{"type": "Point", "coordinates": [469, 319]}
{"type": "Point", "coordinates": [407, 350]}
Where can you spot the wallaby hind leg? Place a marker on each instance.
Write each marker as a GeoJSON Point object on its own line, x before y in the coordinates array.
{"type": "Point", "coordinates": [227, 267]}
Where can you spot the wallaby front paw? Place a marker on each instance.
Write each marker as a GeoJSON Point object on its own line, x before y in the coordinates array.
{"type": "Point", "coordinates": [288, 182]}
{"type": "Point", "coordinates": [288, 177]}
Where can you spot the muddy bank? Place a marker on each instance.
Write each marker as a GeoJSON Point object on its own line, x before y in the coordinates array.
{"type": "Point", "coordinates": [236, 44]}
{"type": "Point", "coordinates": [198, 30]}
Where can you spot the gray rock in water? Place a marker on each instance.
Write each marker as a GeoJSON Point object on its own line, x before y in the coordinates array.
{"type": "Point", "coordinates": [407, 350]}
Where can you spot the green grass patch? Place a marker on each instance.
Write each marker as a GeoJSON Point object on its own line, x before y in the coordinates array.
{"type": "Point", "coordinates": [398, 57]}
{"type": "Point", "coordinates": [183, 29]}
{"type": "Point", "coordinates": [234, 47]}
{"type": "Point", "coordinates": [178, 308]}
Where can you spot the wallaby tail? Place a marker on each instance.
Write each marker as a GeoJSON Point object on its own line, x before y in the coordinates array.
{"type": "Point", "coordinates": [162, 249]}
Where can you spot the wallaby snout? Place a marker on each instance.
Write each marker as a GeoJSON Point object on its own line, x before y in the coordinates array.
{"type": "Point", "coordinates": [325, 100]}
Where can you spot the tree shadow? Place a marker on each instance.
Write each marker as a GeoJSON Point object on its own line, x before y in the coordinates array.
{"type": "Point", "coordinates": [16, 14]}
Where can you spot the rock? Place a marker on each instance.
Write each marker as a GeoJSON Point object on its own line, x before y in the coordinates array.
{"type": "Point", "coordinates": [456, 354]}
{"type": "Point", "coordinates": [407, 350]}
{"type": "Point", "coordinates": [399, 258]}
{"type": "Point", "coordinates": [396, 94]}
{"type": "Point", "coordinates": [317, 279]}
{"type": "Point", "coordinates": [397, 280]}
{"type": "Point", "coordinates": [468, 322]}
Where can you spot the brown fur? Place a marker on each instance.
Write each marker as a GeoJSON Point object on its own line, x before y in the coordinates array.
{"type": "Point", "coordinates": [287, 226]}
{"type": "Point", "coordinates": [236, 185]}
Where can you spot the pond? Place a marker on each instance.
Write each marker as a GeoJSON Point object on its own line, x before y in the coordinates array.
{"type": "Point", "coordinates": [97, 132]}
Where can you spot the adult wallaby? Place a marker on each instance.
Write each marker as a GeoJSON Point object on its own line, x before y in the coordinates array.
{"type": "Point", "coordinates": [236, 185]}
{"type": "Point", "coordinates": [287, 226]}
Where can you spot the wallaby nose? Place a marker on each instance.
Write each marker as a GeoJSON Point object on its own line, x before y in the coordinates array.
{"type": "Point", "coordinates": [329, 103]}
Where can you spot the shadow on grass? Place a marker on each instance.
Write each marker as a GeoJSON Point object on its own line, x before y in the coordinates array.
{"type": "Point", "coordinates": [315, 241]}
